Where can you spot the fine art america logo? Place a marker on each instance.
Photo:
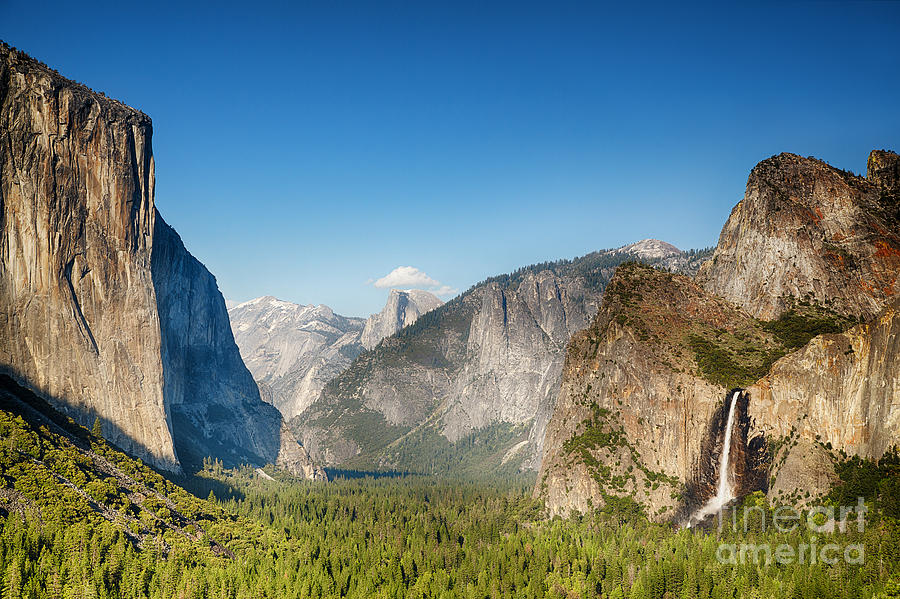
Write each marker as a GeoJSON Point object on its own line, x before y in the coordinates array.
{"type": "Point", "coordinates": [828, 521]}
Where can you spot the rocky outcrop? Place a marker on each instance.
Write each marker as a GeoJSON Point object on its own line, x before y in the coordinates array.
{"type": "Point", "coordinates": [402, 309]}
{"type": "Point", "coordinates": [883, 171]}
{"type": "Point", "coordinates": [635, 407]}
{"type": "Point", "coordinates": [294, 458]}
{"type": "Point", "coordinates": [487, 359]}
{"type": "Point", "coordinates": [641, 387]}
{"type": "Point", "coordinates": [842, 390]}
{"type": "Point", "coordinates": [102, 310]}
{"type": "Point", "coordinates": [802, 472]}
{"type": "Point", "coordinates": [808, 230]}
{"type": "Point", "coordinates": [294, 350]}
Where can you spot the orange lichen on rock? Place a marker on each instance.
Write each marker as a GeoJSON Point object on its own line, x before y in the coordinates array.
{"type": "Point", "coordinates": [885, 250]}
{"type": "Point", "coordinates": [835, 258]}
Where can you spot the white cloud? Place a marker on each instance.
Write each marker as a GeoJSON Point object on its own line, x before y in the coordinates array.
{"type": "Point", "coordinates": [406, 277]}
{"type": "Point", "coordinates": [410, 277]}
{"type": "Point", "coordinates": [444, 290]}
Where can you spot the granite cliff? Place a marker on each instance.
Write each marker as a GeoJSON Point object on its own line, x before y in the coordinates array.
{"type": "Point", "coordinates": [214, 403]}
{"type": "Point", "coordinates": [637, 396]}
{"type": "Point", "coordinates": [102, 310]}
{"type": "Point", "coordinates": [473, 381]}
{"type": "Point", "coordinates": [402, 309]}
{"type": "Point", "coordinates": [76, 192]}
{"type": "Point", "coordinates": [839, 394]}
{"type": "Point", "coordinates": [808, 230]}
{"type": "Point", "coordinates": [808, 252]}
{"type": "Point", "coordinates": [293, 350]}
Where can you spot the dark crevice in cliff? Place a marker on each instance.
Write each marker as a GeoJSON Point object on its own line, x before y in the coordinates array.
{"type": "Point", "coordinates": [133, 204]}
{"type": "Point", "coordinates": [748, 459]}
{"type": "Point", "coordinates": [76, 306]}
{"type": "Point", "coordinates": [402, 305]}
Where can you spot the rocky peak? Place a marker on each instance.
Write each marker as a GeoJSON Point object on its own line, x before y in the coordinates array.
{"type": "Point", "coordinates": [402, 309]}
{"type": "Point", "coordinates": [292, 350]}
{"type": "Point", "coordinates": [649, 249]}
{"type": "Point", "coordinates": [808, 230]}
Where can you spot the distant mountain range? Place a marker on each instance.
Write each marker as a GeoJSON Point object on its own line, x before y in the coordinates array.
{"type": "Point", "coordinates": [294, 350]}
{"type": "Point", "coordinates": [473, 382]}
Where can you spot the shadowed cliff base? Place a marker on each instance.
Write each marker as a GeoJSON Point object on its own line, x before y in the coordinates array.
{"type": "Point", "coordinates": [60, 412]}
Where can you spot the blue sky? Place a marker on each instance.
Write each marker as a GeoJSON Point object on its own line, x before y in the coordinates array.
{"type": "Point", "coordinates": [306, 150]}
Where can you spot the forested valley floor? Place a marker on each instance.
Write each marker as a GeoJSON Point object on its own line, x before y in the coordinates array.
{"type": "Point", "coordinates": [80, 519]}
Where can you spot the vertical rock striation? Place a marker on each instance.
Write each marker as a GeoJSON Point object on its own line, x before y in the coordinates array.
{"type": "Point", "coordinates": [842, 389]}
{"type": "Point", "coordinates": [839, 392]}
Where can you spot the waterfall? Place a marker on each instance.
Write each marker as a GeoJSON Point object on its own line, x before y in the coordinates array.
{"type": "Point", "coordinates": [724, 490]}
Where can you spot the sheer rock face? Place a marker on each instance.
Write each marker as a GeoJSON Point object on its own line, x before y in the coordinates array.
{"type": "Point", "coordinates": [841, 389]}
{"type": "Point", "coordinates": [630, 365]}
{"type": "Point", "coordinates": [493, 355]}
{"type": "Point", "coordinates": [214, 402]}
{"type": "Point", "coordinates": [102, 310]}
{"type": "Point", "coordinates": [294, 350]}
{"type": "Point", "coordinates": [806, 228]}
{"type": "Point", "coordinates": [401, 310]}
{"type": "Point", "coordinates": [515, 352]}
{"type": "Point", "coordinates": [78, 319]}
